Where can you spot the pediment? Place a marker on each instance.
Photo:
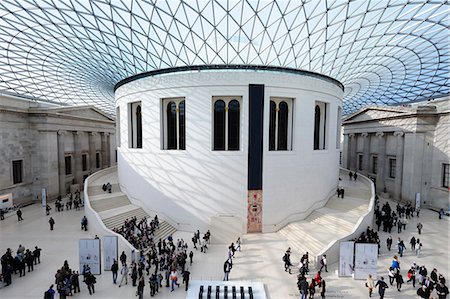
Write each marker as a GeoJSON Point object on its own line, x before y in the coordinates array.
{"type": "Point", "coordinates": [368, 114]}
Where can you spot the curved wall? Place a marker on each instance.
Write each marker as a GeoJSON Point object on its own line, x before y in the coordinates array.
{"type": "Point", "coordinates": [197, 187]}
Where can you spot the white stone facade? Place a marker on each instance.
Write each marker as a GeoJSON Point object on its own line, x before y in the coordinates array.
{"type": "Point", "coordinates": [200, 187]}
{"type": "Point", "coordinates": [416, 138]}
{"type": "Point", "coordinates": [41, 137]}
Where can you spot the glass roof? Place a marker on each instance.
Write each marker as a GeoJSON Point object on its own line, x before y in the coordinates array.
{"type": "Point", "coordinates": [385, 52]}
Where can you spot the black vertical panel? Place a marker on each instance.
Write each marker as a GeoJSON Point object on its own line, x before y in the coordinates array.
{"type": "Point", "coordinates": [255, 138]}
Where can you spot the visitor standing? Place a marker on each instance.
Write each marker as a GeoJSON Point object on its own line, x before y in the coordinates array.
{"type": "Point", "coordinates": [19, 214]}
{"type": "Point", "coordinates": [382, 286]}
{"type": "Point", "coordinates": [369, 284]}
{"type": "Point", "coordinates": [51, 222]}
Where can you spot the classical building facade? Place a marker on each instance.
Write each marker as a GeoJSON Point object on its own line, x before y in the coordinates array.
{"type": "Point", "coordinates": [55, 148]}
{"type": "Point", "coordinates": [404, 150]}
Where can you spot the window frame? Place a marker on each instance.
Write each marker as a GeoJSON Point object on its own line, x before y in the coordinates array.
{"type": "Point", "coordinates": [68, 164]}
{"type": "Point", "coordinates": [97, 160]}
{"type": "Point", "coordinates": [392, 167]}
{"type": "Point", "coordinates": [179, 127]}
{"type": "Point", "coordinates": [274, 140]}
{"type": "Point", "coordinates": [375, 164]}
{"type": "Point", "coordinates": [17, 165]}
{"type": "Point", "coordinates": [135, 137]}
{"type": "Point", "coordinates": [84, 164]}
{"type": "Point", "coordinates": [360, 161]}
{"type": "Point", "coordinates": [227, 124]}
{"type": "Point", "coordinates": [445, 175]}
{"type": "Point", "coordinates": [320, 126]}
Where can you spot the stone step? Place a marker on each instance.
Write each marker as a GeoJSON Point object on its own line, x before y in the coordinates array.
{"type": "Point", "coordinates": [96, 190]}
{"type": "Point", "coordinates": [117, 221]}
{"type": "Point", "coordinates": [351, 215]}
{"type": "Point", "coordinates": [300, 240]}
{"type": "Point", "coordinates": [329, 221]}
{"type": "Point", "coordinates": [110, 203]}
{"type": "Point", "coordinates": [104, 195]}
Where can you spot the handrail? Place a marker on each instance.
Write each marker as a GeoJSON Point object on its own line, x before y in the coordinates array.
{"type": "Point", "coordinates": [332, 250]}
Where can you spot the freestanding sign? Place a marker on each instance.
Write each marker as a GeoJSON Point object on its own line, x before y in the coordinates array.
{"type": "Point", "coordinates": [110, 251]}
{"type": "Point", "coordinates": [89, 254]}
{"type": "Point", "coordinates": [366, 257]}
{"type": "Point", "coordinates": [44, 197]}
{"type": "Point", "coordinates": [417, 201]}
{"type": "Point", "coordinates": [346, 252]}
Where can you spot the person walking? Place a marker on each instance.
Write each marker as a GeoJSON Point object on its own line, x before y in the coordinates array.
{"type": "Point", "coordinates": [186, 277]}
{"type": "Point", "coordinates": [51, 222]}
{"type": "Point", "coordinates": [191, 255]}
{"type": "Point", "coordinates": [140, 287]}
{"type": "Point", "coordinates": [114, 270]}
{"type": "Point", "coordinates": [382, 286]}
{"type": "Point", "coordinates": [19, 214]}
{"type": "Point", "coordinates": [124, 273]}
{"type": "Point", "coordinates": [323, 263]}
{"type": "Point", "coordinates": [322, 288]}
{"type": "Point", "coordinates": [413, 243]}
{"type": "Point", "coordinates": [389, 243]}
{"type": "Point", "coordinates": [47, 210]}
{"type": "Point", "coordinates": [419, 227]}
{"type": "Point", "coordinates": [90, 281]}
{"type": "Point", "coordinates": [50, 293]}
{"type": "Point", "coordinates": [173, 280]}
{"type": "Point", "coordinates": [226, 270]}
{"type": "Point", "coordinates": [370, 284]}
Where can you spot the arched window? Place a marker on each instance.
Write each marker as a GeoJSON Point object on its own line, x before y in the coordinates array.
{"type": "Point", "coordinates": [174, 128]}
{"type": "Point", "coordinates": [233, 125]}
{"type": "Point", "coordinates": [171, 125]}
{"type": "Point", "coordinates": [280, 124]}
{"type": "Point", "coordinates": [283, 115]}
{"type": "Point", "coordinates": [134, 125]}
{"type": "Point", "coordinates": [317, 127]}
{"type": "Point", "coordinates": [320, 126]}
{"type": "Point", "coordinates": [182, 126]}
{"type": "Point", "coordinates": [226, 123]}
{"type": "Point", "coordinates": [219, 125]}
{"type": "Point", "coordinates": [272, 125]}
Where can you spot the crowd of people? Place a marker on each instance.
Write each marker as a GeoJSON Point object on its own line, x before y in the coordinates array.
{"type": "Point", "coordinates": [139, 233]}
{"type": "Point", "coordinates": [24, 259]}
{"type": "Point", "coordinates": [67, 282]}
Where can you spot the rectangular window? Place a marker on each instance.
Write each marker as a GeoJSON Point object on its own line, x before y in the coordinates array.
{"type": "Point", "coordinates": [68, 164]}
{"type": "Point", "coordinates": [374, 164]}
{"type": "Point", "coordinates": [174, 124]}
{"type": "Point", "coordinates": [97, 160]}
{"type": "Point", "coordinates": [84, 162]}
{"type": "Point", "coordinates": [280, 124]}
{"type": "Point", "coordinates": [392, 167]}
{"type": "Point", "coordinates": [320, 125]}
{"type": "Point", "coordinates": [360, 161]}
{"type": "Point", "coordinates": [338, 128]}
{"type": "Point", "coordinates": [17, 167]}
{"type": "Point", "coordinates": [445, 174]}
{"type": "Point", "coordinates": [135, 125]}
{"type": "Point", "coordinates": [116, 155]}
{"type": "Point", "coordinates": [226, 123]}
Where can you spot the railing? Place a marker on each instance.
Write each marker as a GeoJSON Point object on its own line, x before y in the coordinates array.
{"type": "Point", "coordinates": [332, 250]}
{"type": "Point", "coordinates": [96, 223]}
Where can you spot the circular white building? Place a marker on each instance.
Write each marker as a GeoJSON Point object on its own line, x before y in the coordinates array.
{"type": "Point", "coordinates": [232, 148]}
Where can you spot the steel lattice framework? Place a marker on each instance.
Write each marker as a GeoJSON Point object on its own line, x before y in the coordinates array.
{"type": "Point", "coordinates": [73, 52]}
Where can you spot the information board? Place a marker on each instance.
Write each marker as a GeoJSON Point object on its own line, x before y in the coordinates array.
{"type": "Point", "coordinates": [346, 252]}
{"type": "Point", "coordinates": [366, 257]}
{"type": "Point", "coordinates": [89, 254]}
{"type": "Point", "coordinates": [110, 251]}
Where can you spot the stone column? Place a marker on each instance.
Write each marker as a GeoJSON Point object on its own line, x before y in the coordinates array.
{"type": "Point", "coordinates": [366, 153]}
{"type": "Point", "coordinates": [108, 149]}
{"type": "Point", "coordinates": [77, 147]}
{"type": "Point", "coordinates": [92, 150]}
{"type": "Point", "coordinates": [381, 160]}
{"type": "Point", "coordinates": [346, 152]}
{"type": "Point", "coordinates": [61, 163]}
{"type": "Point", "coordinates": [353, 145]}
{"type": "Point", "coordinates": [103, 150]}
{"type": "Point", "coordinates": [399, 165]}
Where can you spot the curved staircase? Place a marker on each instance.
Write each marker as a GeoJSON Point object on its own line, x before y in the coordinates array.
{"type": "Point", "coordinates": [115, 207]}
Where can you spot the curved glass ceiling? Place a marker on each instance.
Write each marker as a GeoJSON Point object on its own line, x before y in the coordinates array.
{"type": "Point", "coordinates": [73, 52]}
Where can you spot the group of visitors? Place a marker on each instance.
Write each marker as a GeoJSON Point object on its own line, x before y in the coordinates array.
{"type": "Point", "coordinates": [107, 187]}
{"type": "Point", "coordinates": [67, 282]}
{"type": "Point", "coordinates": [228, 264]}
{"type": "Point", "coordinates": [73, 199]}
{"type": "Point", "coordinates": [203, 242]}
{"type": "Point", "coordinates": [23, 260]}
{"type": "Point", "coordinates": [139, 233]}
{"type": "Point", "coordinates": [165, 264]}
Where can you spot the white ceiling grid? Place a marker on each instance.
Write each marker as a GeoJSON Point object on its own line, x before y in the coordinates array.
{"type": "Point", "coordinates": [74, 52]}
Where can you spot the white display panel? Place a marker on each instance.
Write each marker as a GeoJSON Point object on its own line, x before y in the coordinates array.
{"type": "Point", "coordinates": [89, 251]}
{"type": "Point", "coordinates": [110, 251]}
{"type": "Point", "coordinates": [6, 201]}
{"type": "Point", "coordinates": [346, 252]}
{"type": "Point", "coordinates": [366, 257]}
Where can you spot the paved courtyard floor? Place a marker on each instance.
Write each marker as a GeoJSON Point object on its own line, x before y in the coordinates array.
{"type": "Point", "coordinates": [259, 260]}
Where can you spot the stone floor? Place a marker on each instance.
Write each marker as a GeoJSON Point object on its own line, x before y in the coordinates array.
{"type": "Point", "coordinates": [259, 261]}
